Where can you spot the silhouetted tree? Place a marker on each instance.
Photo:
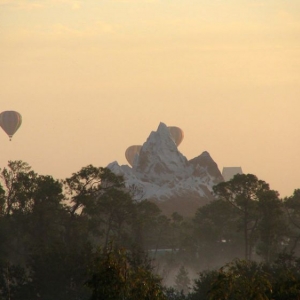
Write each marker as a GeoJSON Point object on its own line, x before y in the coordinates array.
{"type": "Point", "coordinates": [114, 276]}
{"type": "Point", "coordinates": [292, 209]}
{"type": "Point", "coordinates": [272, 225]}
{"type": "Point", "coordinates": [242, 192]}
{"type": "Point", "coordinates": [182, 281]}
{"type": "Point", "coordinates": [216, 235]}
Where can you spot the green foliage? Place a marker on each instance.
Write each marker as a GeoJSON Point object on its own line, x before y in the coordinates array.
{"type": "Point", "coordinates": [15, 283]}
{"type": "Point", "coordinates": [242, 192]}
{"type": "Point", "coordinates": [86, 185]}
{"type": "Point", "coordinates": [292, 209]}
{"type": "Point", "coordinates": [114, 277]}
{"type": "Point", "coordinates": [242, 279]}
{"type": "Point", "coordinates": [259, 214]}
{"type": "Point", "coordinates": [216, 234]}
{"type": "Point", "coordinates": [144, 224]}
{"type": "Point", "coordinates": [18, 185]}
{"type": "Point", "coordinates": [48, 245]}
{"type": "Point", "coordinates": [271, 226]}
{"type": "Point", "coordinates": [202, 285]}
{"type": "Point", "coordinates": [49, 231]}
{"type": "Point", "coordinates": [285, 277]}
{"type": "Point", "coordinates": [173, 294]}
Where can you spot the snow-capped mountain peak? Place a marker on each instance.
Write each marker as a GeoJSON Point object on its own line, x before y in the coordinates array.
{"type": "Point", "coordinates": [161, 173]}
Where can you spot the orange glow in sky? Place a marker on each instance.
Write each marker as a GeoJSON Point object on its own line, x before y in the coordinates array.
{"type": "Point", "coordinates": [91, 78]}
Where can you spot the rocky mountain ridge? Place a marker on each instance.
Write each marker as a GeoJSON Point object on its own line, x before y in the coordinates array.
{"type": "Point", "coordinates": [161, 173]}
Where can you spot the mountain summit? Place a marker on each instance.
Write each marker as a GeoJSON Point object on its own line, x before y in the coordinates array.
{"type": "Point", "coordinates": [162, 174]}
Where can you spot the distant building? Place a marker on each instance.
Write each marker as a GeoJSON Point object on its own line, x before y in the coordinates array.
{"type": "Point", "coordinates": [229, 172]}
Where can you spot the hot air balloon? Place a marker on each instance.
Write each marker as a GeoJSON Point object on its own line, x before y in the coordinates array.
{"type": "Point", "coordinates": [131, 152]}
{"type": "Point", "coordinates": [10, 121]}
{"type": "Point", "coordinates": [177, 134]}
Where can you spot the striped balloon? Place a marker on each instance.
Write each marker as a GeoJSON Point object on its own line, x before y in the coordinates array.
{"type": "Point", "coordinates": [10, 121]}
{"type": "Point", "coordinates": [131, 152]}
{"type": "Point", "coordinates": [177, 134]}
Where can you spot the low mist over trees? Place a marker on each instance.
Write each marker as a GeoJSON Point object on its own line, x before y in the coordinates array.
{"type": "Point", "coordinates": [86, 238]}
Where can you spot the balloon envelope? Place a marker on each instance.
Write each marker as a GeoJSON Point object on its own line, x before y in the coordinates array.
{"type": "Point", "coordinates": [177, 134]}
{"type": "Point", "coordinates": [131, 152]}
{"type": "Point", "coordinates": [10, 122]}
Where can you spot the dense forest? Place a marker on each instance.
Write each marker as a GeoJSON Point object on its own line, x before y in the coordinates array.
{"type": "Point", "coordinates": [86, 238]}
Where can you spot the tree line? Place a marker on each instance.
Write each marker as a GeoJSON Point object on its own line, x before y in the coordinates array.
{"type": "Point", "coordinates": [86, 238]}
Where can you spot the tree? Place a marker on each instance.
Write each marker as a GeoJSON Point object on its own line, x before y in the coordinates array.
{"type": "Point", "coordinates": [271, 226]}
{"type": "Point", "coordinates": [173, 294]}
{"type": "Point", "coordinates": [16, 178]}
{"type": "Point", "coordinates": [15, 283]}
{"type": "Point", "coordinates": [28, 203]}
{"type": "Point", "coordinates": [292, 209]}
{"type": "Point", "coordinates": [85, 186]}
{"type": "Point", "coordinates": [242, 192]}
{"type": "Point", "coordinates": [202, 285]}
{"type": "Point", "coordinates": [182, 281]}
{"type": "Point", "coordinates": [145, 216]}
{"type": "Point", "coordinates": [59, 244]}
{"type": "Point", "coordinates": [285, 277]}
{"type": "Point", "coordinates": [244, 279]}
{"type": "Point", "coordinates": [114, 276]}
{"type": "Point", "coordinates": [216, 238]}
{"type": "Point", "coordinates": [101, 195]}
{"type": "Point", "coordinates": [40, 256]}
{"type": "Point", "coordinates": [176, 226]}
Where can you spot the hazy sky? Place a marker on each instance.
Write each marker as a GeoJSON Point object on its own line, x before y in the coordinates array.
{"type": "Point", "coordinates": [93, 77]}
